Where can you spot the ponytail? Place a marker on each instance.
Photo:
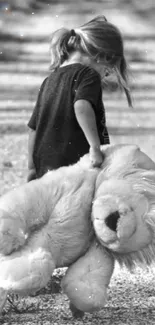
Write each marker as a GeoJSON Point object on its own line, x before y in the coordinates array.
{"type": "Point", "coordinates": [63, 41]}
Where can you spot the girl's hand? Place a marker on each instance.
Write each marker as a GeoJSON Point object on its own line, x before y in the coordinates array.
{"type": "Point", "coordinates": [95, 156]}
{"type": "Point", "coordinates": [31, 174]}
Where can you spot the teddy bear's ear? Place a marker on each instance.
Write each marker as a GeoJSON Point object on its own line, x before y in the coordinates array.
{"type": "Point", "coordinates": [121, 160]}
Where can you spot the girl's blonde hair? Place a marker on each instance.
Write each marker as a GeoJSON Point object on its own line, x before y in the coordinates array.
{"type": "Point", "coordinates": [98, 39]}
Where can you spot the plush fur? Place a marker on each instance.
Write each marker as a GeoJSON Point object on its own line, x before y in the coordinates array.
{"type": "Point", "coordinates": [46, 224]}
{"type": "Point", "coordinates": [82, 218]}
{"type": "Point", "coordinates": [126, 185]}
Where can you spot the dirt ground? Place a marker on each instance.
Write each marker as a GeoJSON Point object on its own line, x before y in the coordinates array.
{"type": "Point", "coordinates": [131, 300]}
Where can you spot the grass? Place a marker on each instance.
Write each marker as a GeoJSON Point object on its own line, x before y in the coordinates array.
{"type": "Point", "coordinates": [13, 161]}
{"type": "Point", "coordinates": [131, 299]}
{"type": "Point", "coordinates": [13, 155]}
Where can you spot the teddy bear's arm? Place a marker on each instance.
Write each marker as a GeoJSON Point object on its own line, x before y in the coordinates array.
{"type": "Point", "coordinates": [86, 281]}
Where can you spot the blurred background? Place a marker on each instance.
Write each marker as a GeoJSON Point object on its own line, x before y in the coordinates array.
{"type": "Point", "coordinates": [25, 27]}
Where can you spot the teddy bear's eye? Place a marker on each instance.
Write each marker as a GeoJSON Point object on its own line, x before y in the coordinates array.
{"type": "Point", "coordinates": [112, 219]}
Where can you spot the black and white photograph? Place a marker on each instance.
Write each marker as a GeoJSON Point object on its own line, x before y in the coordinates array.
{"type": "Point", "coordinates": [77, 162]}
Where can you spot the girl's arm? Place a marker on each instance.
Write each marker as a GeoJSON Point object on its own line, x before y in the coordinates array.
{"type": "Point", "coordinates": [31, 142]}
{"type": "Point", "coordinates": [86, 118]}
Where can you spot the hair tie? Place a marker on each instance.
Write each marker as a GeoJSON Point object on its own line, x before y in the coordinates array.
{"type": "Point", "coordinates": [72, 33]}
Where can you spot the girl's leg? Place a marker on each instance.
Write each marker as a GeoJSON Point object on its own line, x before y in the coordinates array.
{"type": "Point", "coordinates": [77, 313]}
{"type": "Point", "coordinates": [3, 297]}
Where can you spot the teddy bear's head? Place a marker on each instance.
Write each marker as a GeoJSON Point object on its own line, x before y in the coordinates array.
{"type": "Point", "coordinates": [123, 216]}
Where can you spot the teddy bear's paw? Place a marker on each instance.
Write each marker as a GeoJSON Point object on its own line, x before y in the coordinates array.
{"type": "Point", "coordinates": [12, 233]}
{"type": "Point", "coordinates": [76, 313]}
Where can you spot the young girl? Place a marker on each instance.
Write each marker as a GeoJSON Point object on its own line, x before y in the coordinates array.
{"type": "Point", "coordinates": [69, 117]}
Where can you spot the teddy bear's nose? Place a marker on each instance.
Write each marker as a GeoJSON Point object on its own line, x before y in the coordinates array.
{"type": "Point", "coordinates": [112, 219]}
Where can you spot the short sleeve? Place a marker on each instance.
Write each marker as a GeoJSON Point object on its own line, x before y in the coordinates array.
{"type": "Point", "coordinates": [33, 119]}
{"type": "Point", "coordinates": [88, 86]}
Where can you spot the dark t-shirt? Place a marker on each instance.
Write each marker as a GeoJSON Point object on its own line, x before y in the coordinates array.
{"type": "Point", "coordinates": [60, 140]}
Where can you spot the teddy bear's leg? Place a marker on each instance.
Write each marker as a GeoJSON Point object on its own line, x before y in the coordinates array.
{"type": "Point", "coordinates": [86, 281]}
{"type": "Point", "coordinates": [3, 297]}
{"type": "Point", "coordinates": [26, 271]}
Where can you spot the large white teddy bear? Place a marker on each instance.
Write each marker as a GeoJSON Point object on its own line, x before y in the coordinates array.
{"type": "Point", "coordinates": [81, 218]}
